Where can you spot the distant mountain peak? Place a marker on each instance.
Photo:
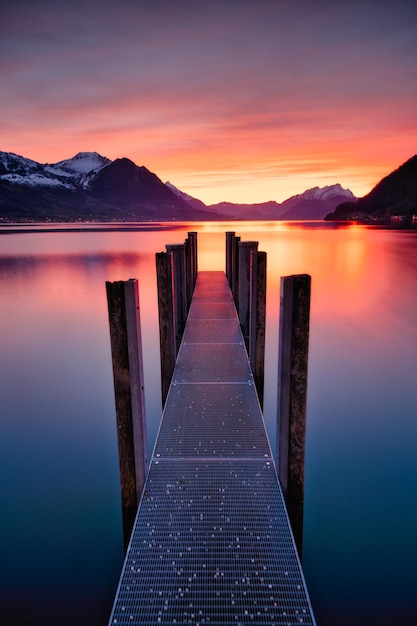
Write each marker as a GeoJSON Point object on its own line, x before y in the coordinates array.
{"type": "Point", "coordinates": [178, 192]}
{"type": "Point", "coordinates": [194, 202]}
{"type": "Point", "coordinates": [82, 163]}
{"type": "Point", "coordinates": [91, 186]}
{"type": "Point", "coordinates": [11, 162]}
{"type": "Point", "coordinates": [394, 195]}
{"type": "Point", "coordinates": [19, 171]}
{"type": "Point", "coordinates": [83, 155]}
{"type": "Point", "coordinates": [325, 193]}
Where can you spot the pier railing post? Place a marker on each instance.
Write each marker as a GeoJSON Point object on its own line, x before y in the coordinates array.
{"type": "Point", "coordinates": [257, 319]}
{"type": "Point", "coordinates": [126, 348]}
{"type": "Point", "coordinates": [292, 395]}
{"type": "Point", "coordinates": [192, 236]}
{"type": "Point", "coordinates": [235, 271]}
{"type": "Point", "coordinates": [167, 338]}
{"type": "Point", "coordinates": [177, 252]}
{"type": "Point", "coordinates": [188, 272]}
{"type": "Point", "coordinates": [245, 249]}
{"type": "Point", "coordinates": [190, 265]}
{"type": "Point", "coordinates": [229, 256]}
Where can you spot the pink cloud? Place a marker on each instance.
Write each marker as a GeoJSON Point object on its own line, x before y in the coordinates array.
{"type": "Point", "coordinates": [266, 93]}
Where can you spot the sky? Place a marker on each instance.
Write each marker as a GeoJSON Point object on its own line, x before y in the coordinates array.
{"type": "Point", "coordinates": [229, 100]}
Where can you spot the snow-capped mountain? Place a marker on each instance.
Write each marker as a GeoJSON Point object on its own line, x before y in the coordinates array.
{"type": "Point", "coordinates": [89, 186]}
{"type": "Point", "coordinates": [69, 174]}
{"type": "Point", "coordinates": [395, 196]}
{"type": "Point", "coordinates": [324, 193]}
{"type": "Point", "coordinates": [17, 170]}
{"type": "Point", "coordinates": [194, 202]}
{"type": "Point", "coordinates": [315, 203]}
{"type": "Point", "coordinates": [82, 163]}
{"type": "Point", "coordinates": [81, 169]}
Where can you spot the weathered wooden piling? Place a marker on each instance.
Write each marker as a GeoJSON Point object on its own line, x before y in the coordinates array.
{"type": "Point", "coordinates": [235, 271]}
{"type": "Point", "coordinates": [189, 260]}
{"type": "Point", "coordinates": [126, 348]}
{"type": "Point", "coordinates": [190, 265]}
{"type": "Point", "coordinates": [245, 249]}
{"type": "Point", "coordinates": [251, 295]}
{"type": "Point", "coordinates": [292, 395]}
{"type": "Point", "coordinates": [192, 236]}
{"type": "Point", "coordinates": [176, 272]}
{"type": "Point", "coordinates": [258, 320]}
{"type": "Point", "coordinates": [167, 339]}
{"type": "Point", "coordinates": [177, 254]}
{"type": "Point", "coordinates": [229, 257]}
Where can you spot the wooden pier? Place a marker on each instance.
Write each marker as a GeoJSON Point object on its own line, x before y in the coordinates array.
{"type": "Point", "coordinates": [212, 542]}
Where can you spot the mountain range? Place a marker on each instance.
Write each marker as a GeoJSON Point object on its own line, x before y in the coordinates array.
{"type": "Point", "coordinates": [87, 187]}
{"type": "Point", "coordinates": [395, 195]}
{"type": "Point", "coordinates": [90, 187]}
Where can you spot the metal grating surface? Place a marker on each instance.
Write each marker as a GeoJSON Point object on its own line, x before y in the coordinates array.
{"type": "Point", "coordinates": [213, 331]}
{"type": "Point", "coordinates": [212, 295]}
{"type": "Point", "coordinates": [205, 420]}
{"type": "Point", "coordinates": [212, 546]}
{"type": "Point", "coordinates": [217, 310]}
{"type": "Point", "coordinates": [215, 277]}
{"type": "Point", "coordinates": [212, 363]}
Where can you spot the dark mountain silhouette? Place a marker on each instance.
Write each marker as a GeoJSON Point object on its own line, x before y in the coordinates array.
{"type": "Point", "coordinates": [87, 187]}
{"type": "Point", "coordinates": [124, 183]}
{"type": "Point", "coordinates": [90, 187]}
{"type": "Point", "coordinates": [313, 204]}
{"type": "Point", "coordinates": [234, 211]}
{"type": "Point", "coordinates": [394, 195]}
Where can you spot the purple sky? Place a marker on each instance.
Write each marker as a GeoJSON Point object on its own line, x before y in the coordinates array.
{"type": "Point", "coordinates": [229, 100]}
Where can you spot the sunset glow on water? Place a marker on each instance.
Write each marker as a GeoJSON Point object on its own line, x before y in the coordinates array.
{"type": "Point", "coordinates": [240, 102]}
{"type": "Point", "coordinates": [58, 444]}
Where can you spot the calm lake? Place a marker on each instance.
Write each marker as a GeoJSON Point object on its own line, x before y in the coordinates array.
{"type": "Point", "coordinates": [61, 548]}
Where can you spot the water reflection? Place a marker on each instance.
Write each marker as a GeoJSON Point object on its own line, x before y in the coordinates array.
{"type": "Point", "coordinates": [58, 450]}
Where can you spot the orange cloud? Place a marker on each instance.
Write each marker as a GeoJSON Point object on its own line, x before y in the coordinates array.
{"type": "Point", "coordinates": [260, 104]}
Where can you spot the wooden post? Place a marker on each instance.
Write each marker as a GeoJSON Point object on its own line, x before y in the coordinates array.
{"type": "Point", "coordinates": [189, 275]}
{"type": "Point", "coordinates": [292, 395]}
{"type": "Point", "coordinates": [192, 235]}
{"type": "Point", "coordinates": [190, 265]}
{"type": "Point", "coordinates": [235, 271]}
{"type": "Point", "coordinates": [126, 348]}
{"type": "Point", "coordinates": [257, 320]}
{"type": "Point", "coordinates": [245, 248]}
{"type": "Point", "coordinates": [229, 256]}
{"type": "Point", "coordinates": [177, 252]}
{"type": "Point", "coordinates": [167, 338]}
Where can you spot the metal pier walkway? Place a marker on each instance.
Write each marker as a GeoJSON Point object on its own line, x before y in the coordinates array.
{"type": "Point", "coordinates": [212, 543]}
